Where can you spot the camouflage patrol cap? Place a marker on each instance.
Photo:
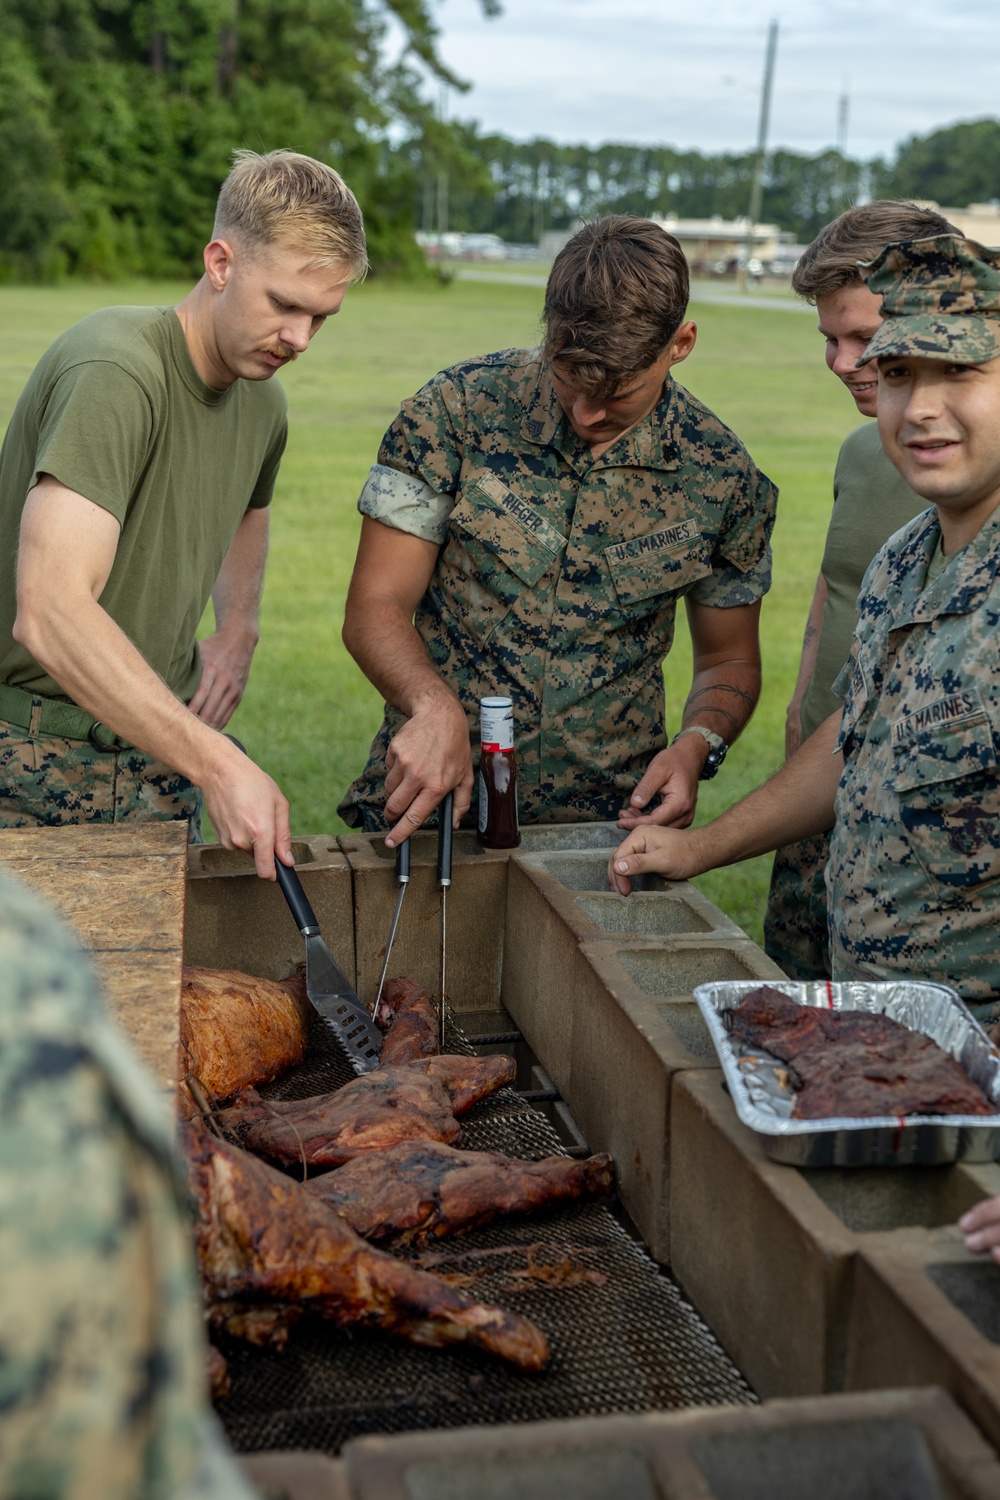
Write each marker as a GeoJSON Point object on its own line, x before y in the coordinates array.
{"type": "Point", "coordinates": [940, 300]}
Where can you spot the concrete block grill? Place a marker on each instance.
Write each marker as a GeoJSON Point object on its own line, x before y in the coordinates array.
{"type": "Point", "coordinates": [623, 1335]}
{"type": "Point", "coordinates": [593, 995]}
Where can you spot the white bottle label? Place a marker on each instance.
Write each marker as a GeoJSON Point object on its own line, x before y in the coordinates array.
{"type": "Point", "coordinates": [496, 723]}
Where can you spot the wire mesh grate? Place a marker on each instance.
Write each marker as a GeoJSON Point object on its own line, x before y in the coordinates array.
{"type": "Point", "coordinates": [624, 1338]}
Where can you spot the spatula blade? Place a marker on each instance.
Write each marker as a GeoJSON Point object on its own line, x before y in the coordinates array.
{"type": "Point", "coordinates": [333, 997]}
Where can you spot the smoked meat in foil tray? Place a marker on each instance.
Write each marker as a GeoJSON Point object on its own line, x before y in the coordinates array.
{"type": "Point", "coordinates": [764, 1096]}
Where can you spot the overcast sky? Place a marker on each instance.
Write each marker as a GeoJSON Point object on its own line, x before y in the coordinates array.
{"type": "Point", "coordinates": [688, 73]}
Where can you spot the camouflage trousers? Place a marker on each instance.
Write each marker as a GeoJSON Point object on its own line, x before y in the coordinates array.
{"type": "Point", "coordinates": [796, 934]}
{"type": "Point", "coordinates": [47, 782]}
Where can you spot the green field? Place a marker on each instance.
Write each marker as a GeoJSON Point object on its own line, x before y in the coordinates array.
{"type": "Point", "coordinates": [309, 715]}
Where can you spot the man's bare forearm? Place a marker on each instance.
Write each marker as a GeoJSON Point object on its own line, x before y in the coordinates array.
{"type": "Point", "coordinates": [796, 803]}
{"type": "Point", "coordinates": [96, 665]}
{"type": "Point", "coordinates": [725, 683]}
{"type": "Point", "coordinates": [722, 698]}
{"type": "Point", "coordinates": [387, 647]}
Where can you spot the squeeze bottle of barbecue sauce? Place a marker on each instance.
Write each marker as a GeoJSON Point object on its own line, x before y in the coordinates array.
{"type": "Point", "coordinates": [497, 775]}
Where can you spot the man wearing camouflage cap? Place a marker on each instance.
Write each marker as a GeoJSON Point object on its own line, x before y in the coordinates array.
{"type": "Point", "coordinates": [531, 524]}
{"type": "Point", "coordinates": [906, 776]}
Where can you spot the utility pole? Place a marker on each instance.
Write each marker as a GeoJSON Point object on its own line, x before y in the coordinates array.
{"type": "Point", "coordinates": [442, 181]}
{"type": "Point", "coordinates": [757, 183]}
{"type": "Point", "coordinates": [843, 109]}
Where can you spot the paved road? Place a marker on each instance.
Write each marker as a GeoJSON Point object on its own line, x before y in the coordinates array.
{"type": "Point", "coordinates": [701, 291]}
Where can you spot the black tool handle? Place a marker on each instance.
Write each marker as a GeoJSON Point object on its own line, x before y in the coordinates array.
{"type": "Point", "coordinates": [298, 901]}
{"type": "Point", "coordinates": [445, 813]}
{"type": "Point", "coordinates": [403, 862]}
{"type": "Point", "coordinates": [291, 885]}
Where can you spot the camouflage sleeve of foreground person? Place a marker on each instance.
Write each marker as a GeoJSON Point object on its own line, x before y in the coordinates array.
{"type": "Point", "coordinates": [103, 1352]}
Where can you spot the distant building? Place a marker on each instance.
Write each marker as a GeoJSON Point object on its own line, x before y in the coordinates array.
{"type": "Point", "coordinates": [711, 246]}
{"type": "Point", "coordinates": [980, 221]}
{"type": "Point", "coordinates": [716, 245]}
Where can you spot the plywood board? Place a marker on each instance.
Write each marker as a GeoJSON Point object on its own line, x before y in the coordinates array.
{"type": "Point", "coordinates": [121, 889]}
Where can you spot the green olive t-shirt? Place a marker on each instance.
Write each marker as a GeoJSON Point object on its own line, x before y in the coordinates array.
{"type": "Point", "coordinates": [871, 500]}
{"type": "Point", "coordinates": [116, 411]}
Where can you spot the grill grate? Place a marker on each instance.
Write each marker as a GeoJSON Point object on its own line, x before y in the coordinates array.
{"type": "Point", "coordinates": [623, 1337]}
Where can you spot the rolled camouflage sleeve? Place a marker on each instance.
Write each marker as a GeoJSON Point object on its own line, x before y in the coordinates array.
{"type": "Point", "coordinates": [406, 503]}
{"type": "Point", "coordinates": [413, 484]}
{"type": "Point", "coordinates": [741, 562]}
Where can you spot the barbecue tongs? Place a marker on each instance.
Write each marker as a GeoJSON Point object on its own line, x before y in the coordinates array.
{"type": "Point", "coordinates": [403, 880]}
{"type": "Point", "coordinates": [327, 986]}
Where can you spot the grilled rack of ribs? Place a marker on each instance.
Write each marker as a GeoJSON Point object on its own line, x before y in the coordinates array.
{"type": "Point", "coordinates": [238, 1030]}
{"type": "Point", "coordinates": [420, 1190]}
{"type": "Point", "coordinates": [850, 1063]}
{"type": "Point", "coordinates": [379, 1109]}
{"type": "Point", "coordinates": [270, 1251]}
{"type": "Point", "coordinates": [411, 1024]}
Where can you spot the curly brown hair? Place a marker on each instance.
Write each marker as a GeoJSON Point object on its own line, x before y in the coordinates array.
{"type": "Point", "coordinates": [616, 295]}
{"type": "Point", "coordinates": [858, 234]}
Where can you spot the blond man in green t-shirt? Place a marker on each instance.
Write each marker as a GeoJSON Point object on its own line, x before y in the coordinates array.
{"type": "Point", "coordinates": [135, 482]}
{"type": "Point", "coordinates": [871, 500]}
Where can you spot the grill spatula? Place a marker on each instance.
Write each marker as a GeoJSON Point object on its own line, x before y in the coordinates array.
{"type": "Point", "coordinates": [327, 986]}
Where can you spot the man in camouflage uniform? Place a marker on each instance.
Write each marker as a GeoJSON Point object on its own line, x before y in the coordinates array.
{"type": "Point", "coordinates": [135, 481]}
{"type": "Point", "coordinates": [906, 776]}
{"type": "Point", "coordinates": [102, 1350]}
{"type": "Point", "coordinates": [531, 523]}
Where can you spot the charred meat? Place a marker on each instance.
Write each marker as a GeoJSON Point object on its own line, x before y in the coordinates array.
{"type": "Point", "coordinates": [372, 1112]}
{"type": "Point", "coordinates": [267, 1246]}
{"type": "Point", "coordinates": [849, 1063]}
{"type": "Point", "coordinates": [237, 1030]}
{"type": "Point", "coordinates": [411, 1023]}
{"type": "Point", "coordinates": [466, 1079]}
{"type": "Point", "coordinates": [416, 1102]}
{"type": "Point", "coordinates": [421, 1190]}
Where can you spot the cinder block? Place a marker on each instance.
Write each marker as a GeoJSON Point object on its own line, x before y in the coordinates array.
{"type": "Point", "coordinates": [475, 916]}
{"type": "Point", "coordinates": [234, 920]}
{"type": "Point", "coordinates": [925, 1311]}
{"type": "Point", "coordinates": [907, 1445]}
{"type": "Point", "coordinates": [766, 1251]}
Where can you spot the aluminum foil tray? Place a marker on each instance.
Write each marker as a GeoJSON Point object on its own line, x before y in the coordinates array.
{"type": "Point", "coordinates": [764, 1100]}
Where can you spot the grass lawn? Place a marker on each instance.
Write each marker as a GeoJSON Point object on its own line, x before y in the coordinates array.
{"type": "Point", "coordinates": [309, 715]}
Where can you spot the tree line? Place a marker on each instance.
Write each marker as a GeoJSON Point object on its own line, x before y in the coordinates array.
{"type": "Point", "coordinates": [118, 119]}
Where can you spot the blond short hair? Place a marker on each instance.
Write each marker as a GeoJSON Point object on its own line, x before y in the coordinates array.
{"type": "Point", "coordinates": [284, 198]}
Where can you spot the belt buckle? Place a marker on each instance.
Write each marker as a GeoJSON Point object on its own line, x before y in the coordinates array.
{"type": "Point", "coordinates": [95, 738]}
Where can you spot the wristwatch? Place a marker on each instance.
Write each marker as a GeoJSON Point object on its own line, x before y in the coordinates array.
{"type": "Point", "coordinates": [718, 749]}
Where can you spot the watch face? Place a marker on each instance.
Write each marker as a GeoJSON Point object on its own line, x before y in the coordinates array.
{"type": "Point", "coordinates": [713, 760]}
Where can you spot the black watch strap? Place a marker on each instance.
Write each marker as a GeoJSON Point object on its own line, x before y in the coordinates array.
{"type": "Point", "coordinates": [718, 749]}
